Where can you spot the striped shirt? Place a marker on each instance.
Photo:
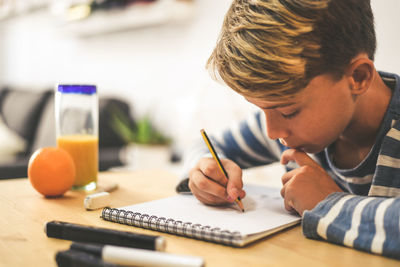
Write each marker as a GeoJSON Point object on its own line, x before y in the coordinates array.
{"type": "Point", "coordinates": [366, 215]}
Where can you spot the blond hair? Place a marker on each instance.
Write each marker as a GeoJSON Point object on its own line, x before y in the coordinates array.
{"type": "Point", "coordinates": [273, 48]}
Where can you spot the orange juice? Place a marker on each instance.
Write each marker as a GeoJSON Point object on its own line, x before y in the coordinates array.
{"type": "Point", "coordinates": [84, 150]}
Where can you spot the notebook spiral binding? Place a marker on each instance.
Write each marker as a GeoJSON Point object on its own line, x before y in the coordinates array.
{"type": "Point", "coordinates": [165, 225]}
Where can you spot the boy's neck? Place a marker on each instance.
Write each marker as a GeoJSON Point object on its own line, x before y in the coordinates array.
{"type": "Point", "coordinates": [360, 135]}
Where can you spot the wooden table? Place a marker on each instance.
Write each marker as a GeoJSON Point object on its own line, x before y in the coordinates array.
{"type": "Point", "coordinates": [24, 243]}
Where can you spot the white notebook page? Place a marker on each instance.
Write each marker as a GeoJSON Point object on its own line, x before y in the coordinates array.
{"type": "Point", "coordinates": [264, 210]}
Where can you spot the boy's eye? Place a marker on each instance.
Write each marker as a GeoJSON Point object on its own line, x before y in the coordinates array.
{"type": "Point", "coordinates": [291, 115]}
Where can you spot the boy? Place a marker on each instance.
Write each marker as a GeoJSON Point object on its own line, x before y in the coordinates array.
{"type": "Point", "coordinates": [308, 65]}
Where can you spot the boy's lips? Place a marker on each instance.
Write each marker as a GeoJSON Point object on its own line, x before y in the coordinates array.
{"type": "Point", "coordinates": [298, 147]}
{"type": "Point", "coordinates": [306, 148]}
{"type": "Point", "coordinates": [283, 142]}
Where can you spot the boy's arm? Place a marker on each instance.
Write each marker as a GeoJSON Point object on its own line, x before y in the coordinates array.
{"type": "Point", "coordinates": [366, 223]}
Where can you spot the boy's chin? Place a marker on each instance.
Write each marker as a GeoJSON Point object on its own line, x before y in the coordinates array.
{"type": "Point", "coordinates": [310, 150]}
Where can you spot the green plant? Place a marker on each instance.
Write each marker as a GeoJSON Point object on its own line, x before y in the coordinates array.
{"type": "Point", "coordinates": [141, 131]}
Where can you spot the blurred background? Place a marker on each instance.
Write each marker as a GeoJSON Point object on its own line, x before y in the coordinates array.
{"type": "Point", "coordinates": [147, 58]}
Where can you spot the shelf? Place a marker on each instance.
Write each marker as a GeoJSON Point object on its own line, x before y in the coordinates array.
{"type": "Point", "coordinates": [135, 16]}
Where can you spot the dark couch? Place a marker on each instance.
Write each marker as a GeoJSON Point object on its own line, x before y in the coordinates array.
{"type": "Point", "coordinates": [30, 114]}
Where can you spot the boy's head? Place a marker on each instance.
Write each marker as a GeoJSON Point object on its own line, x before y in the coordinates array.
{"type": "Point", "coordinates": [271, 49]}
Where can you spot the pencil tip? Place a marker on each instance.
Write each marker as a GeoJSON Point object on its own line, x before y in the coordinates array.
{"type": "Point", "coordinates": [240, 204]}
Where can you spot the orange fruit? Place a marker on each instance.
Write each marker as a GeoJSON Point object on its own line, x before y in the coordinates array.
{"type": "Point", "coordinates": [51, 171]}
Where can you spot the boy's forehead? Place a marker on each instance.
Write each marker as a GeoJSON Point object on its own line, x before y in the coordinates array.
{"type": "Point", "coordinates": [265, 104]}
{"type": "Point", "coordinates": [304, 95]}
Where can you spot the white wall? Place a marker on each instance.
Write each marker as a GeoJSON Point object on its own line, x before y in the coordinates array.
{"type": "Point", "coordinates": [158, 69]}
{"type": "Point", "coordinates": [387, 25]}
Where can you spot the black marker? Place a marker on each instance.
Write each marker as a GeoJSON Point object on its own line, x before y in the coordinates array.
{"type": "Point", "coordinates": [82, 233]}
{"type": "Point", "coordinates": [137, 257]}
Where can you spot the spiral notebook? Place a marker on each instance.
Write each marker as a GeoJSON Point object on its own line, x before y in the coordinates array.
{"type": "Point", "coordinates": [184, 215]}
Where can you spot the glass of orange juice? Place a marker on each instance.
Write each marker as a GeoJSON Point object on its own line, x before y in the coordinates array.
{"type": "Point", "coordinates": [77, 130]}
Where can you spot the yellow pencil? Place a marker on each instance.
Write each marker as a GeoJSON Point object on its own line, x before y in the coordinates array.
{"type": "Point", "coordinates": [221, 167]}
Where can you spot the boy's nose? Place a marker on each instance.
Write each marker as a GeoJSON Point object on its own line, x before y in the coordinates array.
{"type": "Point", "coordinates": [276, 128]}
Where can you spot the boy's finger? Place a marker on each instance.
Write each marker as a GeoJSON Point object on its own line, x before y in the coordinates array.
{"type": "Point", "coordinates": [234, 187]}
{"type": "Point", "coordinates": [288, 202]}
{"type": "Point", "coordinates": [288, 175]}
{"type": "Point", "coordinates": [210, 168]}
{"type": "Point", "coordinates": [298, 156]}
{"type": "Point", "coordinates": [199, 182]}
{"type": "Point", "coordinates": [210, 199]}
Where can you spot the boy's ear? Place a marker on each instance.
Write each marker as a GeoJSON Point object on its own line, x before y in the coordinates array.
{"type": "Point", "coordinates": [360, 73]}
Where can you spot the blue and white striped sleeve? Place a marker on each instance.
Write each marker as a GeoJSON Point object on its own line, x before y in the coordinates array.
{"type": "Point", "coordinates": [245, 143]}
{"type": "Point", "coordinates": [366, 223]}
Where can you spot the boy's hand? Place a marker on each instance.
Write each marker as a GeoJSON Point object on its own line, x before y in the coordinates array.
{"type": "Point", "coordinates": [210, 186]}
{"type": "Point", "coordinates": [306, 186]}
